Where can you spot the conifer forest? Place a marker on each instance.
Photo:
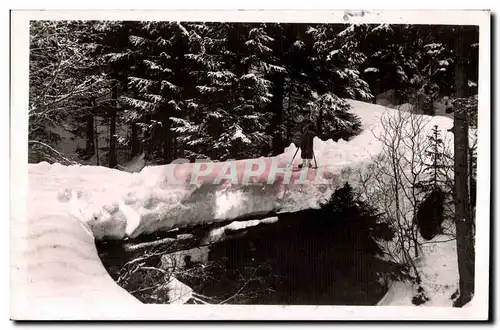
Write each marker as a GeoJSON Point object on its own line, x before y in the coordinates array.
{"type": "Point", "coordinates": [225, 90]}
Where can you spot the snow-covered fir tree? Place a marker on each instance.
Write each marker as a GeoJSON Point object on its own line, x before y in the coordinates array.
{"type": "Point", "coordinates": [438, 167]}
{"type": "Point", "coordinates": [152, 98]}
{"type": "Point", "coordinates": [390, 63]}
{"type": "Point", "coordinates": [227, 117]}
{"type": "Point", "coordinates": [416, 61]}
{"type": "Point", "coordinates": [336, 63]}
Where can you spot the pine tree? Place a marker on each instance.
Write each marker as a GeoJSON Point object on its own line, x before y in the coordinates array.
{"type": "Point", "coordinates": [333, 119]}
{"type": "Point", "coordinates": [229, 63]}
{"type": "Point", "coordinates": [363, 223]}
{"type": "Point", "coordinates": [334, 75]}
{"type": "Point", "coordinates": [416, 61]}
{"type": "Point", "coordinates": [209, 115]}
{"type": "Point", "coordinates": [117, 59]}
{"type": "Point", "coordinates": [433, 75]}
{"type": "Point", "coordinates": [151, 96]}
{"type": "Point", "coordinates": [293, 57]}
{"type": "Point", "coordinates": [390, 64]}
{"type": "Point", "coordinates": [336, 60]}
{"type": "Point", "coordinates": [438, 167]}
{"type": "Point", "coordinates": [277, 74]}
{"type": "Point", "coordinates": [253, 89]}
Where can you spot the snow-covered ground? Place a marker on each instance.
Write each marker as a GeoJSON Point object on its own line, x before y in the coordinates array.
{"type": "Point", "coordinates": [54, 258]}
{"type": "Point", "coordinates": [439, 273]}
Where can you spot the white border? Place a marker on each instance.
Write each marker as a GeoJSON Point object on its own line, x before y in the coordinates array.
{"type": "Point", "coordinates": [19, 105]}
{"type": "Point", "coordinates": [420, 16]}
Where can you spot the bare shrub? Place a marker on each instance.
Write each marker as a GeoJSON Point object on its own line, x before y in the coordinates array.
{"type": "Point", "coordinates": [390, 182]}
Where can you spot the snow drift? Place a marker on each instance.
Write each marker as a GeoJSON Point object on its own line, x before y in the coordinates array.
{"type": "Point", "coordinates": [439, 271]}
{"type": "Point", "coordinates": [54, 259]}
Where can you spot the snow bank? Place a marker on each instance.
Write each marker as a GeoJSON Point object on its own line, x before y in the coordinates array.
{"type": "Point", "coordinates": [119, 204]}
{"type": "Point", "coordinates": [439, 271]}
{"type": "Point", "coordinates": [55, 267]}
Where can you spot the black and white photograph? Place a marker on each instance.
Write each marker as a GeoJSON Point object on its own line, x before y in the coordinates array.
{"type": "Point", "coordinates": [328, 165]}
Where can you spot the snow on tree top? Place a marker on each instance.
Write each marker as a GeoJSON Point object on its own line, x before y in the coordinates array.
{"type": "Point", "coordinates": [249, 76]}
{"type": "Point", "coordinates": [382, 28]}
{"type": "Point", "coordinates": [348, 30]}
{"type": "Point", "coordinates": [433, 45]}
{"type": "Point", "coordinates": [183, 29]}
{"type": "Point", "coordinates": [238, 135]}
{"type": "Point", "coordinates": [371, 69]}
{"type": "Point", "coordinates": [333, 53]}
{"type": "Point", "coordinates": [137, 41]}
{"type": "Point", "coordinates": [310, 30]}
{"type": "Point", "coordinates": [299, 44]}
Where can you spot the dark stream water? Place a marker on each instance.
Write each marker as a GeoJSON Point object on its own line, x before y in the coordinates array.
{"type": "Point", "coordinates": [312, 257]}
{"type": "Point", "coordinates": [301, 259]}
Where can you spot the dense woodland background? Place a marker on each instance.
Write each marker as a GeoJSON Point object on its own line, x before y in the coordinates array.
{"type": "Point", "coordinates": [165, 90]}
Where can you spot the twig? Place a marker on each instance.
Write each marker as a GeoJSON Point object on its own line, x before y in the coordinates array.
{"type": "Point", "coordinates": [202, 296]}
{"type": "Point", "coordinates": [141, 258]}
{"type": "Point", "coordinates": [242, 287]}
{"type": "Point", "coordinates": [155, 269]}
{"type": "Point", "coordinates": [49, 85]}
{"type": "Point", "coordinates": [199, 300]}
{"type": "Point", "coordinates": [432, 242]}
{"type": "Point", "coordinates": [144, 289]}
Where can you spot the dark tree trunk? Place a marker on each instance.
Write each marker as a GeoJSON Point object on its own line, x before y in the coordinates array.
{"type": "Point", "coordinates": [179, 147]}
{"type": "Point", "coordinates": [112, 141]}
{"type": "Point", "coordinates": [174, 142]}
{"type": "Point", "coordinates": [288, 115]}
{"type": "Point", "coordinates": [96, 136]}
{"type": "Point", "coordinates": [278, 91]}
{"type": "Point", "coordinates": [463, 219]}
{"type": "Point", "coordinates": [436, 152]}
{"type": "Point", "coordinates": [112, 130]}
{"type": "Point", "coordinates": [277, 110]}
{"type": "Point", "coordinates": [167, 145]}
{"type": "Point", "coordinates": [472, 181]}
{"type": "Point", "coordinates": [89, 145]}
{"type": "Point", "coordinates": [135, 143]}
{"type": "Point", "coordinates": [319, 124]}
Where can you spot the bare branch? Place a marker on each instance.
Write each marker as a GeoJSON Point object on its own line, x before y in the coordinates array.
{"type": "Point", "coordinates": [241, 288]}
{"type": "Point", "coordinates": [54, 150]}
